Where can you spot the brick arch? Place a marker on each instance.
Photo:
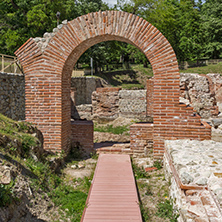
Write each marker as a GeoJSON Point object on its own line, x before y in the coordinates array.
{"type": "Point", "coordinates": [48, 63]}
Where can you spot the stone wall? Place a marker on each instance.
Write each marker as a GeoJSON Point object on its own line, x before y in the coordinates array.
{"type": "Point", "coordinates": [200, 91]}
{"type": "Point", "coordinates": [203, 92]}
{"type": "Point", "coordinates": [82, 88]}
{"type": "Point", "coordinates": [105, 103]}
{"type": "Point", "coordinates": [132, 103]}
{"type": "Point", "coordinates": [110, 103]}
{"type": "Point", "coordinates": [12, 96]}
{"type": "Point", "coordinates": [194, 169]}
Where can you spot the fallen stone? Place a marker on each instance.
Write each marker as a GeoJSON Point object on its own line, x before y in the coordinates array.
{"type": "Point", "coordinates": [81, 166]}
{"type": "Point", "coordinates": [5, 175]}
{"type": "Point", "coordinates": [216, 122]}
{"type": "Point", "coordinates": [202, 181]}
{"type": "Point", "coordinates": [186, 178]}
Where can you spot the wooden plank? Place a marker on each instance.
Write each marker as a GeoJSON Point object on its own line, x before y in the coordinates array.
{"type": "Point", "coordinates": [113, 195]}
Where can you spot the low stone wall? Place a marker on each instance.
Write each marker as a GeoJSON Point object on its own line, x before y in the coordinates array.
{"type": "Point", "coordinates": [195, 171]}
{"type": "Point", "coordinates": [12, 96]}
{"type": "Point", "coordinates": [109, 103]}
{"type": "Point", "coordinates": [132, 103]}
{"type": "Point", "coordinates": [105, 103]}
{"type": "Point", "coordinates": [203, 92]}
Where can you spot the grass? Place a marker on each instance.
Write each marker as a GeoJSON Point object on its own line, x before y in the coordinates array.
{"type": "Point", "coordinates": [135, 77]}
{"type": "Point", "coordinates": [158, 164]}
{"type": "Point", "coordinates": [153, 192]}
{"type": "Point", "coordinates": [68, 198]}
{"type": "Point", "coordinates": [205, 69]}
{"type": "Point", "coordinates": [140, 68]}
{"type": "Point", "coordinates": [139, 172]}
{"type": "Point", "coordinates": [17, 134]}
{"type": "Point", "coordinates": [111, 129]}
{"type": "Point", "coordinates": [165, 210]}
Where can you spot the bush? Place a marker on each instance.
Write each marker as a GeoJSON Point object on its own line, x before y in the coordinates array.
{"type": "Point", "coordinates": [6, 194]}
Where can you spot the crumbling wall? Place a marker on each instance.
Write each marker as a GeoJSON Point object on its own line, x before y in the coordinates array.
{"type": "Point", "coordinates": [199, 91]}
{"type": "Point", "coordinates": [132, 103]}
{"type": "Point", "coordinates": [109, 103]}
{"type": "Point", "coordinates": [105, 103]}
{"type": "Point", "coordinates": [12, 95]}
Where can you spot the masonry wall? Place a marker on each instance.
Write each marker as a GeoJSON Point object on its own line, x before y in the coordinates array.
{"type": "Point", "coordinates": [109, 103]}
{"type": "Point", "coordinates": [82, 136]}
{"type": "Point", "coordinates": [82, 88]}
{"type": "Point", "coordinates": [141, 138]}
{"type": "Point", "coordinates": [12, 96]}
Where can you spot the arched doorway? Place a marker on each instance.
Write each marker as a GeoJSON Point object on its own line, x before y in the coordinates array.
{"type": "Point", "coordinates": [48, 63]}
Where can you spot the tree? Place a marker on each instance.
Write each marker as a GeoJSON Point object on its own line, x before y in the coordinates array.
{"type": "Point", "coordinates": [178, 20]}
{"type": "Point", "coordinates": [20, 20]}
{"type": "Point", "coordinates": [212, 28]}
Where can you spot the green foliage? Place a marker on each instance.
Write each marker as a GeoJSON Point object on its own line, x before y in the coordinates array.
{"type": "Point", "coordinates": [19, 135]}
{"type": "Point", "coordinates": [71, 200]}
{"type": "Point", "coordinates": [158, 164]}
{"type": "Point", "coordinates": [145, 213]}
{"type": "Point", "coordinates": [6, 194]}
{"type": "Point", "coordinates": [211, 13]}
{"type": "Point", "coordinates": [111, 129]}
{"type": "Point", "coordinates": [28, 141]}
{"type": "Point", "coordinates": [20, 20]}
{"type": "Point", "coordinates": [139, 172]}
{"type": "Point", "coordinates": [165, 210]}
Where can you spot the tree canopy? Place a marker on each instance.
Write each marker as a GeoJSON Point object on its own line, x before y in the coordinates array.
{"type": "Point", "coordinates": [194, 28]}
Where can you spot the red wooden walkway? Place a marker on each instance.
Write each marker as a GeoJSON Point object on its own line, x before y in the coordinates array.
{"type": "Point", "coordinates": [113, 194]}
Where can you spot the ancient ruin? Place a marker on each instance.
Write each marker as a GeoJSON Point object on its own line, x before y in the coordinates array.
{"type": "Point", "coordinates": [48, 63]}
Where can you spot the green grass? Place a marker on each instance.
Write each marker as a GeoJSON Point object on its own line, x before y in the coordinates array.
{"type": "Point", "coordinates": [139, 172]}
{"type": "Point", "coordinates": [158, 164]}
{"type": "Point", "coordinates": [145, 71]}
{"type": "Point", "coordinates": [18, 134]}
{"type": "Point", "coordinates": [132, 86]}
{"type": "Point", "coordinates": [111, 129]}
{"type": "Point", "coordinates": [165, 210]}
{"type": "Point", "coordinates": [217, 68]}
{"type": "Point", "coordinates": [70, 200]}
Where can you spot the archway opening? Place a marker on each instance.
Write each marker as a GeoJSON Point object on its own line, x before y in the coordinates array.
{"type": "Point", "coordinates": [108, 87]}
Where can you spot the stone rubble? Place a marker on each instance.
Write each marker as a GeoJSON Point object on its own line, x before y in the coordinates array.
{"type": "Point", "coordinates": [198, 164]}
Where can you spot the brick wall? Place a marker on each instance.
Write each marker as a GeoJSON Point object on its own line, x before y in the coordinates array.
{"type": "Point", "coordinates": [141, 138]}
{"type": "Point", "coordinates": [48, 63]}
{"type": "Point", "coordinates": [82, 135]}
